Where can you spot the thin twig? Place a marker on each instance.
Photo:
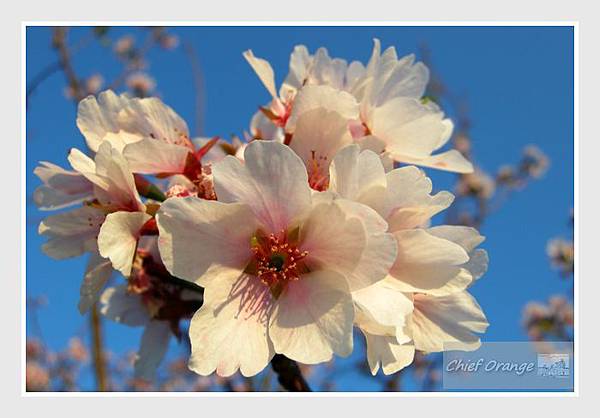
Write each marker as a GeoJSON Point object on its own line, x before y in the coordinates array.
{"type": "Point", "coordinates": [198, 84]}
{"type": "Point", "coordinates": [39, 78]}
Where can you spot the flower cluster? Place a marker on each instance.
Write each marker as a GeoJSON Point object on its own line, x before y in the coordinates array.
{"type": "Point", "coordinates": [46, 370]}
{"type": "Point", "coordinates": [553, 320]}
{"type": "Point", "coordinates": [562, 255]}
{"type": "Point", "coordinates": [284, 243]}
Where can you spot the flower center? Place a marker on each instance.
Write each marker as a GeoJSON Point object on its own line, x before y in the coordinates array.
{"type": "Point", "coordinates": [277, 258]}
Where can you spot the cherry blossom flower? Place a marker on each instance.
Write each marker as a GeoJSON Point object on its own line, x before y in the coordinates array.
{"type": "Point", "coordinates": [107, 225]}
{"type": "Point", "coordinates": [37, 378]}
{"type": "Point", "coordinates": [141, 84]}
{"type": "Point", "coordinates": [562, 255]}
{"type": "Point", "coordinates": [152, 137]}
{"type": "Point", "coordinates": [535, 163]}
{"type": "Point", "coordinates": [277, 265]}
{"type": "Point", "coordinates": [477, 184]}
{"type": "Point", "coordinates": [553, 320]}
{"type": "Point", "coordinates": [124, 45]}
{"type": "Point", "coordinates": [382, 102]}
{"type": "Point", "coordinates": [77, 350]}
{"type": "Point", "coordinates": [423, 302]}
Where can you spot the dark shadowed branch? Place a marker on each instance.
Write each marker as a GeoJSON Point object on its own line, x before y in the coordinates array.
{"type": "Point", "coordinates": [289, 374]}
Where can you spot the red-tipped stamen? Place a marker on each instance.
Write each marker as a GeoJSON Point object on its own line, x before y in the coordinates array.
{"type": "Point", "coordinates": [204, 149]}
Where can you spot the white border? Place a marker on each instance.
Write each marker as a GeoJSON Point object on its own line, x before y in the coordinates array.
{"type": "Point", "coordinates": [574, 394]}
{"type": "Point", "coordinates": [292, 23]}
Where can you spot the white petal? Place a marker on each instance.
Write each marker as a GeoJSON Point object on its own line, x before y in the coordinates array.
{"type": "Point", "coordinates": [408, 203]}
{"type": "Point", "coordinates": [449, 161]}
{"type": "Point", "coordinates": [200, 239]}
{"type": "Point", "coordinates": [419, 215]}
{"type": "Point", "coordinates": [429, 264]}
{"type": "Point", "coordinates": [371, 143]}
{"type": "Point", "coordinates": [333, 239]}
{"type": "Point", "coordinates": [83, 165]}
{"type": "Point", "coordinates": [312, 318]}
{"type": "Point", "coordinates": [375, 54]}
{"type": "Point", "coordinates": [273, 182]}
{"type": "Point", "coordinates": [380, 250]}
{"type": "Point", "coordinates": [405, 80]}
{"type": "Point", "coordinates": [408, 186]}
{"type": "Point", "coordinates": [72, 233]}
{"type": "Point", "coordinates": [121, 120]}
{"type": "Point", "coordinates": [465, 236]}
{"type": "Point", "coordinates": [385, 352]}
{"type": "Point", "coordinates": [61, 187]}
{"type": "Point", "coordinates": [358, 176]}
{"type": "Point", "coordinates": [447, 320]}
{"type": "Point", "coordinates": [447, 133]}
{"type": "Point", "coordinates": [263, 70]}
{"type": "Point", "coordinates": [383, 68]}
{"type": "Point", "coordinates": [408, 128]}
{"type": "Point", "coordinates": [151, 118]}
{"type": "Point", "coordinates": [327, 71]}
{"type": "Point", "coordinates": [151, 156]}
{"type": "Point", "coordinates": [388, 77]}
{"type": "Point", "coordinates": [478, 264]}
{"type": "Point", "coordinates": [325, 97]}
{"type": "Point", "coordinates": [97, 273]}
{"type": "Point", "coordinates": [111, 176]}
{"type": "Point", "coordinates": [153, 347]}
{"type": "Point", "coordinates": [469, 239]}
{"type": "Point", "coordinates": [319, 135]}
{"type": "Point", "coordinates": [300, 61]}
{"type": "Point", "coordinates": [384, 302]}
{"type": "Point", "coordinates": [229, 332]}
{"type": "Point", "coordinates": [121, 306]}
{"type": "Point", "coordinates": [117, 189]}
{"type": "Point", "coordinates": [118, 238]}
{"type": "Point", "coordinates": [96, 118]}
{"type": "Point", "coordinates": [354, 75]}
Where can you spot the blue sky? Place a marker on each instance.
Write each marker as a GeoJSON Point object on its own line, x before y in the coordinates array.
{"type": "Point", "coordinates": [519, 87]}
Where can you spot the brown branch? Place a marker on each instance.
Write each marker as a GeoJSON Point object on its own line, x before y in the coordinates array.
{"type": "Point", "coordinates": [97, 351]}
{"type": "Point", "coordinates": [289, 374]}
{"type": "Point", "coordinates": [60, 43]}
